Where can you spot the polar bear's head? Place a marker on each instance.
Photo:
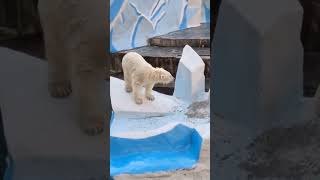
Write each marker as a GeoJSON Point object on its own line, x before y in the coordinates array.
{"type": "Point", "coordinates": [162, 76]}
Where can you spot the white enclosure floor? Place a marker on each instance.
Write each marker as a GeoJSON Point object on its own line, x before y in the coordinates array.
{"type": "Point", "coordinates": [138, 121]}
{"type": "Point", "coordinates": [122, 102]}
{"type": "Point", "coordinates": [41, 131]}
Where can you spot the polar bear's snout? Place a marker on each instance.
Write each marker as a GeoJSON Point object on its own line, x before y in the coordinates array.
{"type": "Point", "coordinates": [165, 76]}
{"type": "Point", "coordinates": [170, 79]}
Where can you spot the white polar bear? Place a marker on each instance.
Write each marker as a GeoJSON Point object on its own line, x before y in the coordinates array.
{"type": "Point", "coordinates": [138, 73]}
{"type": "Point", "coordinates": [75, 35]}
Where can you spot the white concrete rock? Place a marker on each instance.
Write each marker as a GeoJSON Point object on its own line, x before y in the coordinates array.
{"type": "Point", "coordinates": [123, 103]}
{"type": "Point", "coordinates": [190, 79]}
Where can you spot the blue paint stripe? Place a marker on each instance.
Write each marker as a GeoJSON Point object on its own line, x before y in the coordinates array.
{"type": "Point", "coordinates": [184, 24]}
{"type": "Point", "coordinates": [112, 48]}
{"type": "Point", "coordinates": [135, 9]}
{"type": "Point", "coordinates": [115, 6]}
{"type": "Point", "coordinates": [134, 34]}
{"type": "Point", "coordinates": [207, 13]}
{"type": "Point", "coordinates": [157, 12]}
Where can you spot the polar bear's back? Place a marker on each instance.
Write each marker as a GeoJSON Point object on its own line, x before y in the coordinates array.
{"type": "Point", "coordinates": [133, 61]}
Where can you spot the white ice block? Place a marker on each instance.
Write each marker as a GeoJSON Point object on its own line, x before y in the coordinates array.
{"type": "Point", "coordinates": [190, 79]}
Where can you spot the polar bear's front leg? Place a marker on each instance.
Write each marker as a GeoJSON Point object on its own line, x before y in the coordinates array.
{"type": "Point", "coordinates": [136, 88]}
{"type": "Point", "coordinates": [90, 90]}
{"type": "Point", "coordinates": [59, 84]}
{"type": "Point", "coordinates": [148, 92]}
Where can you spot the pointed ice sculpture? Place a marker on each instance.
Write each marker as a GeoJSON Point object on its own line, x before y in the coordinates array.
{"type": "Point", "coordinates": [190, 79]}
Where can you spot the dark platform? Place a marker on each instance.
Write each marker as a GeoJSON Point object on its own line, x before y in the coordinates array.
{"type": "Point", "coordinates": [165, 57]}
{"type": "Point", "coordinates": [194, 37]}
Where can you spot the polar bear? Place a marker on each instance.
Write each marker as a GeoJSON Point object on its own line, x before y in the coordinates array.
{"type": "Point", "coordinates": [75, 36]}
{"type": "Point", "coordinates": [138, 73]}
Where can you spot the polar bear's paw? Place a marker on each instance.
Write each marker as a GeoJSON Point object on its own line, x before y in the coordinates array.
{"type": "Point", "coordinates": [128, 89]}
{"type": "Point", "coordinates": [138, 100]}
{"type": "Point", "coordinates": [60, 89]}
{"type": "Point", "coordinates": [150, 97]}
{"type": "Point", "coordinates": [92, 128]}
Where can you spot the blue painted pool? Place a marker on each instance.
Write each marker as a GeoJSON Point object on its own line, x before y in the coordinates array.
{"type": "Point", "coordinates": [176, 149]}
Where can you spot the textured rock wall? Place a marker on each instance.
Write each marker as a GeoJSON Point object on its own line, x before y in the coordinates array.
{"type": "Point", "coordinates": [132, 22]}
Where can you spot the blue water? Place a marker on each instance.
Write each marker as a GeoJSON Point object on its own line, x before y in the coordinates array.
{"type": "Point", "coordinates": [176, 149]}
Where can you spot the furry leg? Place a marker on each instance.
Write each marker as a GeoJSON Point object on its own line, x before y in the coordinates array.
{"type": "Point", "coordinates": [91, 92]}
{"type": "Point", "coordinates": [148, 92]}
{"type": "Point", "coordinates": [89, 56]}
{"type": "Point", "coordinates": [136, 88]}
{"type": "Point", "coordinates": [59, 84]}
{"type": "Point", "coordinates": [127, 81]}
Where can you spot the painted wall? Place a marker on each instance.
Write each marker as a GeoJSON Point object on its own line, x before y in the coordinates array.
{"type": "Point", "coordinates": [133, 22]}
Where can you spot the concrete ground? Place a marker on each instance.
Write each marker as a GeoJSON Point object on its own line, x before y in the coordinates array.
{"type": "Point", "coordinates": [288, 151]}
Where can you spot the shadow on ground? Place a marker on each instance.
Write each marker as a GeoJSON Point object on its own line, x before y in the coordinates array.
{"type": "Point", "coordinates": [287, 153]}
{"type": "Point", "coordinates": [32, 45]}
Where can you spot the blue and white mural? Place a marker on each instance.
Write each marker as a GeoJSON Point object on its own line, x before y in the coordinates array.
{"type": "Point", "coordinates": [133, 22]}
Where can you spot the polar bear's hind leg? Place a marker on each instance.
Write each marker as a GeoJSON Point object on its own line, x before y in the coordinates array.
{"type": "Point", "coordinates": [127, 81]}
{"type": "Point", "coordinates": [136, 88]}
